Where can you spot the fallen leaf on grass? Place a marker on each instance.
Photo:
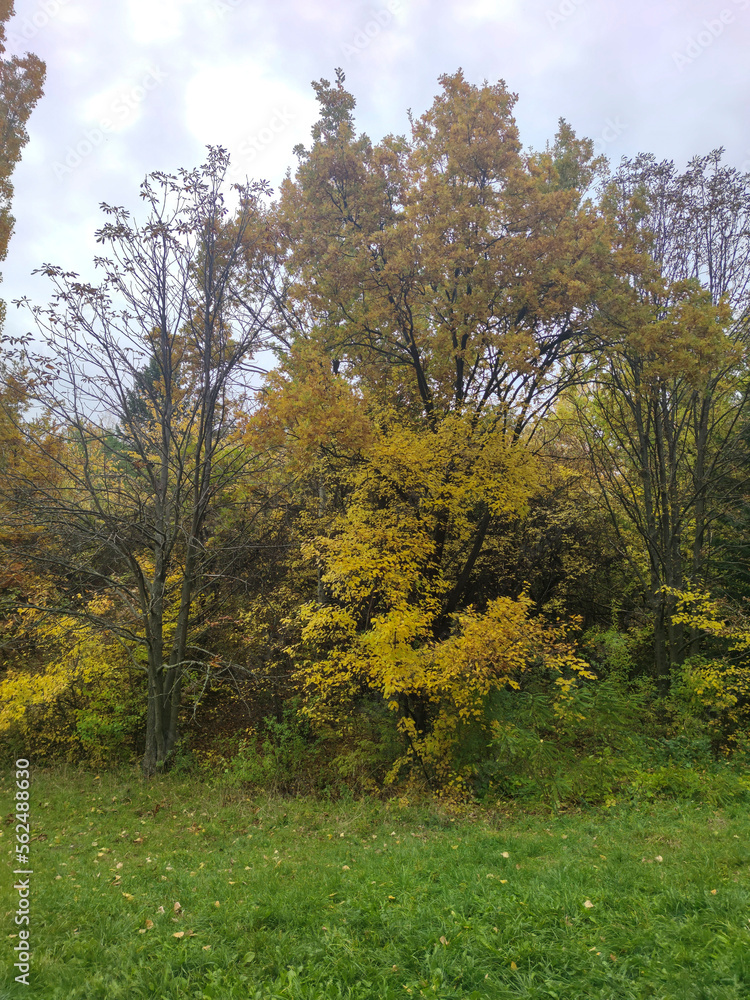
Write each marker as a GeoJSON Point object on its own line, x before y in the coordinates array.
{"type": "Point", "coordinates": [129, 897]}
{"type": "Point", "coordinates": [179, 934]}
{"type": "Point", "coordinates": [177, 907]}
{"type": "Point", "coordinates": [513, 966]}
{"type": "Point", "coordinates": [588, 904]}
{"type": "Point", "coordinates": [444, 940]}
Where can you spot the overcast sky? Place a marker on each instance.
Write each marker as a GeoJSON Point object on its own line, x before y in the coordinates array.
{"type": "Point", "coordinates": [140, 85]}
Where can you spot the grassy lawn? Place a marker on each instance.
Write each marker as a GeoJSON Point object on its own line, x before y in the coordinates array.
{"type": "Point", "coordinates": [175, 889]}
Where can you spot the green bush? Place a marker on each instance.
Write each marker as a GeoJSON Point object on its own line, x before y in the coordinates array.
{"type": "Point", "coordinates": [279, 759]}
{"type": "Point", "coordinates": [110, 726]}
{"type": "Point", "coordinates": [289, 756]}
{"type": "Point", "coordinates": [717, 786]}
{"type": "Point", "coordinates": [362, 759]}
{"type": "Point", "coordinates": [585, 756]}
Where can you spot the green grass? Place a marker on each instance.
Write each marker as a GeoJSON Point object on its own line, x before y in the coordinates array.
{"type": "Point", "coordinates": [368, 900]}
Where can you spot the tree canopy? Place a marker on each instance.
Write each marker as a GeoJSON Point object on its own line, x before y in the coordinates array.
{"type": "Point", "coordinates": [500, 459]}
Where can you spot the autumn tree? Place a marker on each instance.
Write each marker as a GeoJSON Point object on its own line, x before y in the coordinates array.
{"type": "Point", "coordinates": [433, 286]}
{"type": "Point", "coordinates": [668, 390]}
{"type": "Point", "coordinates": [449, 273]}
{"type": "Point", "coordinates": [144, 378]}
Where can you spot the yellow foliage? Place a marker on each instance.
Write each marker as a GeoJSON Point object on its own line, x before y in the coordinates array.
{"type": "Point", "coordinates": [399, 658]}
{"type": "Point", "coordinates": [44, 706]}
{"type": "Point", "coordinates": [716, 687]}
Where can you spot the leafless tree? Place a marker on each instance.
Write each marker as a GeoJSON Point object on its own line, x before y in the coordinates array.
{"type": "Point", "coordinates": [144, 379]}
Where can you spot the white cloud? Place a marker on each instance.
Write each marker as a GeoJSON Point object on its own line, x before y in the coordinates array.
{"type": "Point", "coordinates": [121, 105]}
{"type": "Point", "coordinates": [258, 118]}
{"type": "Point", "coordinates": [155, 20]}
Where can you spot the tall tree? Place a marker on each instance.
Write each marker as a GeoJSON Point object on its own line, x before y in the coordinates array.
{"type": "Point", "coordinates": [434, 285]}
{"type": "Point", "coordinates": [145, 379]}
{"type": "Point", "coordinates": [669, 393]}
{"type": "Point", "coordinates": [449, 274]}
